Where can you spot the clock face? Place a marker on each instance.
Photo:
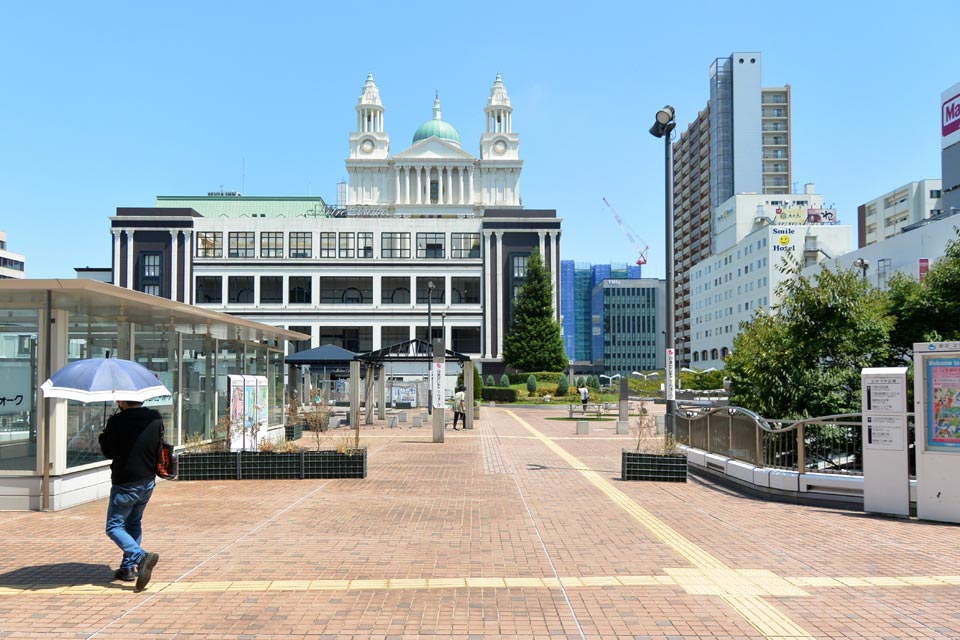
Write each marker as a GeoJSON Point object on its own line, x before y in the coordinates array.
{"type": "Point", "coordinates": [366, 146]}
{"type": "Point", "coordinates": [499, 146]}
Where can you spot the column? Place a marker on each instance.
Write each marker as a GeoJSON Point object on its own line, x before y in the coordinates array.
{"type": "Point", "coordinates": [419, 187]}
{"type": "Point", "coordinates": [487, 294]}
{"type": "Point", "coordinates": [554, 267]}
{"type": "Point", "coordinates": [449, 199]}
{"type": "Point", "coordinates": [129, 233]}
{"type": "Point", "coordinates": [499, 284]}
{"type": "Point", "coordinates": [543, 254]}
{"type": "Point", "coordinates": [470, 185]}
{"type": "Point", "coordinates": [115, 277]}
{"type": "Point", "coordinates": [396, 185]}
{"type": "Point", "coordinates": [406, 185]}
{"type": "Point", "coordinates": [188, 267]}
{"type": "Point", "coordinates": [440, 193]}
{"type": "Point", "coordinates": [174, 250]}
{"type": "Point", "coordinates": [460, 178]}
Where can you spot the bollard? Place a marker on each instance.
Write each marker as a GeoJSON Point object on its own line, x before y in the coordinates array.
{"type": "Point", "coordinates": [392, 422]}
{"type": "Point", "coordinates": [583, 427]}
{"type": "Point", "coordinates": [333, 422]}
{"type": "Point", "coordinates": [402, 417]}
{"type": "Point", "coordinates": [623, 427]}
{"type": "Point", "coordinates": [417, 421]}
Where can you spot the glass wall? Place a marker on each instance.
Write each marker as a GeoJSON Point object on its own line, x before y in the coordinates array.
{"type": "Point", "coordinates": [18, 389]}
{"type": "Point", "coordinates": [198, 397]}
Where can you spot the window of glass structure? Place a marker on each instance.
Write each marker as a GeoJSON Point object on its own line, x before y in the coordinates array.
{"type": "Point", "coordinates": [356, 339]}
{"type": "Point", "coordinates": [394, 290]}
{"type": "Point", "coordinates": [465, 290]}
{"type": "Point", "coordinates": [271, 244]}
{"type": "Point", "coordinates": [390, 336]}
{"type": "Point", "coordinates": [300, 290]}
{"type": "Point", "coordinates": [465, 339]}
{"type": "Point", "coordinates": [518, 273]}
{"type": "Point", "coordinates": [151, 272]}
{"type": "Point", "coordinates": [365, 244]}
{"type": "Point", "coordinates": [430, 245]}
{"type": "Point", "coordinates": [423, 288]}
{"type": "Point", "coordinates": [19, 361]}
{"type": "Point", "coordinates": [271, 290]}
{"type": "Point", "coordinates": [301, 244]}
{"type": "Point", "coordinates": [209, 289]}
{"type": "Point", "coordinates": [395, 244]}
{"type": "Point", "coordinates": [328, 244]}
{"type": "Point", "coordinates": [241, 244]}
{"type": "Point", "coordinates": [198, 389]}
{"type": "Point", "coordinates": [347, 241]}
{"type": "Point", "coordinates": [239, 289]}
{"type": "Point", "coordinates": [346, 290]}
{"type": "Point", "coordinates": [465, 245]}
{"type": "Point", "coordinates": [300, 345]}
{"type": "Point", "coordinates": [436, 329]}
{"type": "Point", "coordinates": [209, 244]}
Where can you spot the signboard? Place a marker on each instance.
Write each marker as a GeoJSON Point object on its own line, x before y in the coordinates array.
{"type": "Point", "coordinates": [886, 482]}
{"type": "Point", "coordinates": [437, 378]}
{"type": "Point", "coordinates": [943, 404]}
{"type": "Point", "coordinates": [924, 267]}
{"type": "Point", "coordinates": [671, 371]}
{"type": "Point", "coordinates": [248, 410]}
{"type": "Point", "coordinates": [791, 215]}
{"type": "Point", "coordinates": [950, 116]}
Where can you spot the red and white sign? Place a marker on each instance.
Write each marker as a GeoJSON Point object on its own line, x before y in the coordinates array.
{"type": "Point", "coordinates": [950, 116]}
{"type": "Point", "coordinates": [924, 268]}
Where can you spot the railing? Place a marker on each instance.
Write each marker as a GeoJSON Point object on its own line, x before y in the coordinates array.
{"type": "Point", "coordinates": [826, 444]}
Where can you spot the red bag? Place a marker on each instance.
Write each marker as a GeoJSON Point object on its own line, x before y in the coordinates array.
{"type": "Point", "coordinates": [166, 460]}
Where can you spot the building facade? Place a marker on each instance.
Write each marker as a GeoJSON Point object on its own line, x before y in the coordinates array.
{"type": "Point", "coordinates": [739, 143]}
{"type": "Point", "coordinates": [754, 236]}
{"type": "Point", "coordinates": [429, 229]}
{"type": "Point", "coordinates": [888, 215]}
{"type": "Point", "coordinates": [950, 148]}
{"type": "Point", "coordinates": [12, 265]}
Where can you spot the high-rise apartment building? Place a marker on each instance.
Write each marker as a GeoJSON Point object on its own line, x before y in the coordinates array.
{"type": "Point", "coordinates": [891, 213]}
{"type": "Point", "coordinates": [739, 143]}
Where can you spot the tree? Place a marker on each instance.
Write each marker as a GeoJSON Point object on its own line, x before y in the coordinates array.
{"type": "Point", "coordinates": [805, 358]}
{"type": "Point", "coordinates": [533, 342]}
{"type": "Point", "coordinates": [563, 385]}
{"type": "Point", "coordinates": [532, 384]}
{"type": "Point", "coordinates": [504, 381]}
{"type": "Point", "coordinates": [490, 381]}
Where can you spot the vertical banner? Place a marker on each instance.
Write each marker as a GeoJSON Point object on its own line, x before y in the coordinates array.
{"type": "Point", "coordinates": [671, 372]}
{"type": "Point", "coordinates": [886, 480]}
{"type": "Point", "coordinates": [437, 378]}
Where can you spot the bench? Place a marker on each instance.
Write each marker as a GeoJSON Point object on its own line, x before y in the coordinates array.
{"type": "Point", "coordinates": [598, 409]}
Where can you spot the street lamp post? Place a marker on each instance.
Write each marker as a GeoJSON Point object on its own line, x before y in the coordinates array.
{"type": "Point", "coordinates": [430, 288]}
{"type": "Point", "coordinates": [662, 127]}
{"type": "Point", "coordinates": [863, 265]}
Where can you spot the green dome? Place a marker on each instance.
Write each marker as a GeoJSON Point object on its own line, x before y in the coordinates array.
{"type": "Point", "coordinates": [437, 128]}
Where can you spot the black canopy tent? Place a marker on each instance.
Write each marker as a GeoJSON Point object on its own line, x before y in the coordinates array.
{"type": "Point", "coordinates": [329, 359]}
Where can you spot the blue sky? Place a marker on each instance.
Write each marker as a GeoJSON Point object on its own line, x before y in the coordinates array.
{"type": "Point", "coordinates": [108, 105]}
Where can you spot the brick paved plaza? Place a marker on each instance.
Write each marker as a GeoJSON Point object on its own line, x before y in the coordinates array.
{"type": "Point", "coordinates": [517, 529]}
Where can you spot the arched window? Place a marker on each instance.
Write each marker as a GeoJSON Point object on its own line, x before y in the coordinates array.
{"type": "Point", "coordinates": [724, 352]}
{"type": "Point", "coordinates": [703, 354]}
{"type": "Point", "coordinates": [714, 354]}
{"type": "Point", "coordinates": [696, 356]}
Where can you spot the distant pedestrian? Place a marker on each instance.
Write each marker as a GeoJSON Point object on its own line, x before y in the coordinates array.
{"type": "Point", "coordinates": [584, 396]}
{"type": "Point", "coordinates": [460, 407]}
{"type": "Point", "coordinates": [131, 439]}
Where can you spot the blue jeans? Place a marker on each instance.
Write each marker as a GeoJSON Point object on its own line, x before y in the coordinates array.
{"type": "Point", "coordinates": [124, 513]}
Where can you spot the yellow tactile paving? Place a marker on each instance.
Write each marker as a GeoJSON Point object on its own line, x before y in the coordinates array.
{"type": "Point", "coordinates": [714, 578]}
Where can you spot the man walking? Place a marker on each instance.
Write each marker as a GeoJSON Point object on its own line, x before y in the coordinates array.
{"type": "Point", "coordinates": [584, 396]}
{"type": "Point", "coordinates": [130, 439]}
{"type": "Point", "coordinates": [460, 407]}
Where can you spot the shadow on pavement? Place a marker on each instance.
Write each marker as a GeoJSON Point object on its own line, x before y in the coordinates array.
{"type": "Point", "coordinates": [63, 574]}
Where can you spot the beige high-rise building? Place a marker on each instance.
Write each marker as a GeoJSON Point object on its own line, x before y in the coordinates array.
{"type": "Point", "coordinates": [739, 143]}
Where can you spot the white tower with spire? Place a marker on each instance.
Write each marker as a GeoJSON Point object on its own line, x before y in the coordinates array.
{"type": "Point", "coordinates": [500, 162]}
{"type": "Point", "coordinates": [371, 145]}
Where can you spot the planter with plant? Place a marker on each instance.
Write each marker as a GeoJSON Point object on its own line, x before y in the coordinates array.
{"type": "Point", "coordinates": [656, 457]}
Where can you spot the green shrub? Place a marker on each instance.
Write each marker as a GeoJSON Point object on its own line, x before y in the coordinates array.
{"type": "Point", "coordinates": [504, 380]}
{"type": "Point", "coordinates": [563, 387]}
{"type": "Point", "coordinates": [499, 394]}
{"type": "Point", "coordinates": [581, 382]}
{"type": "Point", "coordinates": [532, 384]}
{"type": "Point", "coordinates": [490, 382]}
{"type": "Point", "coordinates": [542, 376]}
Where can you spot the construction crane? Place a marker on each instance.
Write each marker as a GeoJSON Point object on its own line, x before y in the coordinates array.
{"type": "Point", "coordinates": [642, 259]}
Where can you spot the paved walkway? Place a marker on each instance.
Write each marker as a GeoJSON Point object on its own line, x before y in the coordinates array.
{"type": "Point", "coordinates": [517, 529]}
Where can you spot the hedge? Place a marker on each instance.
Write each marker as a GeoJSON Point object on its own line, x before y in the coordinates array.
{"type": "Point", "coordinates": [552, 377]}
{"type": "Point", "coordinates": [499, 394]}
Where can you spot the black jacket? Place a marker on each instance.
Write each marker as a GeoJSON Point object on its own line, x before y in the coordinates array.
{"type": "Point", "coordinates": [131, 439]}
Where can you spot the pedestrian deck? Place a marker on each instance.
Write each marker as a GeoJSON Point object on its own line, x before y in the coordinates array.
{"type": "Point", "coordinates": [517, 529]}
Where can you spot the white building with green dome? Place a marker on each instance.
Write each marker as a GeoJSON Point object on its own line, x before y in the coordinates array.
{"type": "Point", "coordinates": [358, 275]}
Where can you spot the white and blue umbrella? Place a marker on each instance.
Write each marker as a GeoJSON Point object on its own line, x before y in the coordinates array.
{"type": "Point", "coordinates": [104, 380]}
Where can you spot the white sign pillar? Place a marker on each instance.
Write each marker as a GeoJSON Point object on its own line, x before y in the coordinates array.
{"type": "Point", "coordinates": [936, 367]}
{"type": "Point", "coordinates": [886, 478]}
{"type": "Point", "coordinates": [438, 376]}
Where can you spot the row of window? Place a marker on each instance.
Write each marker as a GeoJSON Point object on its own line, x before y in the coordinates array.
{"type": "Point", "coordinates": [360, 339]}
{"type": "Point", "coordinates": [333, 290]}
{"type": "Point", "coordinates": [10, 263]}
{"type": "Point", "coordinates": [345, 244]}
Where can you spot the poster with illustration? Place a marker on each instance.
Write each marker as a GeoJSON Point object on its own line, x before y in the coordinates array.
{"type": "Point", "coordinates": [943, 403]}
{"type": "Point", "coordinates": [248, 410]}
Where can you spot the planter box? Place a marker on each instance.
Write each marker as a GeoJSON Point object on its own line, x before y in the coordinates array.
{"type": "Point", "coordinates": [256, 465]}
{"type": "Point", "coordinates": [293, 431]}
{"type": "Point", "coordinates": [650, 466]}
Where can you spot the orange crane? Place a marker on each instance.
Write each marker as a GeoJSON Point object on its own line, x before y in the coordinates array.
{"type": "Point", "coordinates": [642, 259]}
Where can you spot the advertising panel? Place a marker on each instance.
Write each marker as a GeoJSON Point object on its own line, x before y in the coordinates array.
{"type": "Point", "coordinates": [943, 404]}
{"type": "Point", "coordinates": [950, 116]}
